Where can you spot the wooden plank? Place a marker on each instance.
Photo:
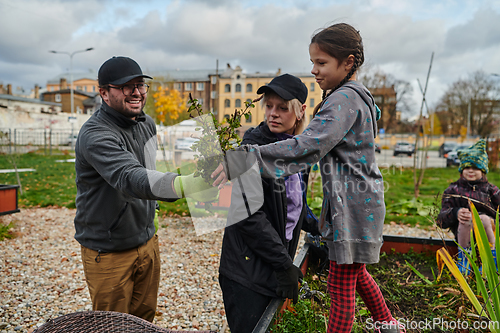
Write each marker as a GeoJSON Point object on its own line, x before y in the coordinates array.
{"type": "Point", "coordinates": [18, 170]}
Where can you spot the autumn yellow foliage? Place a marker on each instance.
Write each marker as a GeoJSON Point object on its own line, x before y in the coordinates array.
{"type": "Point", "coordinates": [169, 104]}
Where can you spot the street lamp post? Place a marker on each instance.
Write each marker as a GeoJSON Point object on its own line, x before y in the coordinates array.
{"type": "Point", "coordinates": [71, 82]}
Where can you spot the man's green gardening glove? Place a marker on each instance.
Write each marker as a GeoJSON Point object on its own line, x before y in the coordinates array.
{"type": "Point", "coordinates": [156, 221]}
{"type": "Point", "coordinates": [195, 188]}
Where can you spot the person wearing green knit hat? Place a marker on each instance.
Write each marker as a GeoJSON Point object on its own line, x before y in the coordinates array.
{"type": "Point", "coordinates": [471, 186]}
{"type": "Point", "coordinates": [474, 157]}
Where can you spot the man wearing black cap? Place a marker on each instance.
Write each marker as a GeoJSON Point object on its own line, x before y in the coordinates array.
{"type": "Point", "coordinates": [256, 262]}
{"type": "Point", "coordinates": [117, 188]}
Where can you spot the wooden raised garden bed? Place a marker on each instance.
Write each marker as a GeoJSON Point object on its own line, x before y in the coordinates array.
{"type": "Point", "coordinates": [8, 199]}
{"type": "Point", "coordinates": [398, 244]}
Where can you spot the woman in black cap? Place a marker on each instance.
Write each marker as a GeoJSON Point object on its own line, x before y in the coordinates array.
{"type": "Point", "coordinates": [256, 262]}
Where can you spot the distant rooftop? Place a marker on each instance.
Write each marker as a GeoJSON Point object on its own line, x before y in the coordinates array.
{"type": "Point", "coordinates": [76, 91]}
{"type": "Point", "coordinates": [182, 75]}
{"type": "Point", "coordinates": [203, 74]}
{"type": "Point", "coordinates": [27, 100]}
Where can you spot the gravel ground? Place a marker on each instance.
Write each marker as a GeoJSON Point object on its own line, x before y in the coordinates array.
{"type": "Point", "coordinates": [41, 273]}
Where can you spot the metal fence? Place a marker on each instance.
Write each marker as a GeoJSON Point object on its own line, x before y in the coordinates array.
{"type": "Point", "coordinates": [13, 140]}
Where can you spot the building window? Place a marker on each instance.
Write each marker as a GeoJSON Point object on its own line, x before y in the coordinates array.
{"type": "Point", "coordinates": [226, 116]}
{"type": "Point", "coordinates": [249, 101]}
{"type": "Point", "coordinates": [227, 103]}
{"type": "Point", "coordinates": [227, 88]}
{"type": "Point", "coordinates": [237, 103]}
{"type": "Point", "coordinates": [177, 86]}
{"type": "Point", "coordinates": [249, 87]}
{"type": "Point", "coordinates": [200, 100]}
{"type": "Point", "coordinates": [200, 86]}
{"type": "Point", "coordinates": [214, 79]}
{"type": "Point", "coordinates": [249, 119]}
{"type": "Point", "coordinates": [311, 102]}
{"type": "Point", "coordinates": [93, 88]}
{"type": "Point", "coordinates": [238, 87]}
{"type": "Point", "coordinates": [213, 94]}
{"type": "Point", "coordinates": [188, 86]}
{"type": "Point", "coordinates": [312, 86]}
{"type": "Point", "coordinates": [58, 97]}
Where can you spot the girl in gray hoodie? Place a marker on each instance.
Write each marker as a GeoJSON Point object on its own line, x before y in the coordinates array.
{"type": "Point", "coordinates": [341, 137]}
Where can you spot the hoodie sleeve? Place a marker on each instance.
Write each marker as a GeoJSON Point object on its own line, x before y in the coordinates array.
{"type": "Point", "coordinates": [340, 112]}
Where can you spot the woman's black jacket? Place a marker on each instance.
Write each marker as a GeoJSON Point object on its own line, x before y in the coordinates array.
{"type": "Point", "coordinates": [253, 249]}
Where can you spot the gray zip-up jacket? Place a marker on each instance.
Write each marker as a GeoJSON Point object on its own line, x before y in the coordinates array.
{"type": "Point", "coordinates": [341, 138]}
{"type": "Point", "coordinates": [117, 184]}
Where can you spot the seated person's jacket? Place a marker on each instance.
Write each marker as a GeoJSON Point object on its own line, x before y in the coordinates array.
{"type": "Point", "coordinates": [484, 195]}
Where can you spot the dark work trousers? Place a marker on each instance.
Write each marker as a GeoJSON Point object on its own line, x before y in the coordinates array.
{"type": "Point", "coordinates": [243, 306]}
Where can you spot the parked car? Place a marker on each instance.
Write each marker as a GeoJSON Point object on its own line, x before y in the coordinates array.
{"type": "Point", "coordinates": [452, 156]}
{"type": "Point", "coordinates": [377, 148]}
{"type": "Point", "coordinates": [446, 147]}
{"type": "Point", "coordinates": [403, 147]}
{"type": "Point", "coordinates": [185, 143]}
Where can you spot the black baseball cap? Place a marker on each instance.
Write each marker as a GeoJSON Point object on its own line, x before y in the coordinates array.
{"type": "Point", "coordinates": [119, 70]}
{"type": "Point", "coordinates": [287, 87]}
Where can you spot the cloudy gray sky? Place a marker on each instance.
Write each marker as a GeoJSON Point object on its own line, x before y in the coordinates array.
{"type": "Point", "coordinates": [258, 35]}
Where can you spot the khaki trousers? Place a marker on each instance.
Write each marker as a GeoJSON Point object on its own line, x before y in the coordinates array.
{"type": "Point", "coordinates": [125, 281]}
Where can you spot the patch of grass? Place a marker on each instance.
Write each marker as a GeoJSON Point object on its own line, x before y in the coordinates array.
{"type": "Point", "coordinates": [305, 316]}
{"type": "Point", "coordinates": [5, 231]}
{"type": "Point", "coordinates": [53, 183]}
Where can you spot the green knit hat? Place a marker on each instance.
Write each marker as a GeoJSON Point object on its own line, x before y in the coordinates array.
{"type": "Point", "coordinates": [474, 156]}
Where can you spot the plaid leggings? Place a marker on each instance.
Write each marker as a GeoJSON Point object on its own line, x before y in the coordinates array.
{"type": "Point", "coordinates": [343, 282]}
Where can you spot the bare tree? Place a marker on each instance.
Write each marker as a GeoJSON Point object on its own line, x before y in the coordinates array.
{"type": "Point", "coordinates": [472, 101]}
{"type": "Point", "coordinates": [380, 83]}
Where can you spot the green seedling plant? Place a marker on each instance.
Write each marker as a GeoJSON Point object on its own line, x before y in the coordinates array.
{"type": "Point", "coordinates": [217, 137]}
{"type": "Point", "coordinates": [484, 270]}
{"type": "Point", "coordinates": [413, 206]}
{"type": "Point", "coordinates": [420, 275]}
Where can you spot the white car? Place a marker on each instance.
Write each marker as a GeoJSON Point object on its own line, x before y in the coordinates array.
{"type": "Point", "coordinates": [403, 147]}
{"type": "Point", "coordinates": [185, 143]}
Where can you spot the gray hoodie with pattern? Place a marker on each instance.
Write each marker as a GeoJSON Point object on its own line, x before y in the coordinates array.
{"type": "Point", "coordinates": [341, 138]}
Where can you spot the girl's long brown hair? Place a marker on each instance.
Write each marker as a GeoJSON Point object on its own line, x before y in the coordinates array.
{"type": "Point", "coordinates": [339, 41]}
